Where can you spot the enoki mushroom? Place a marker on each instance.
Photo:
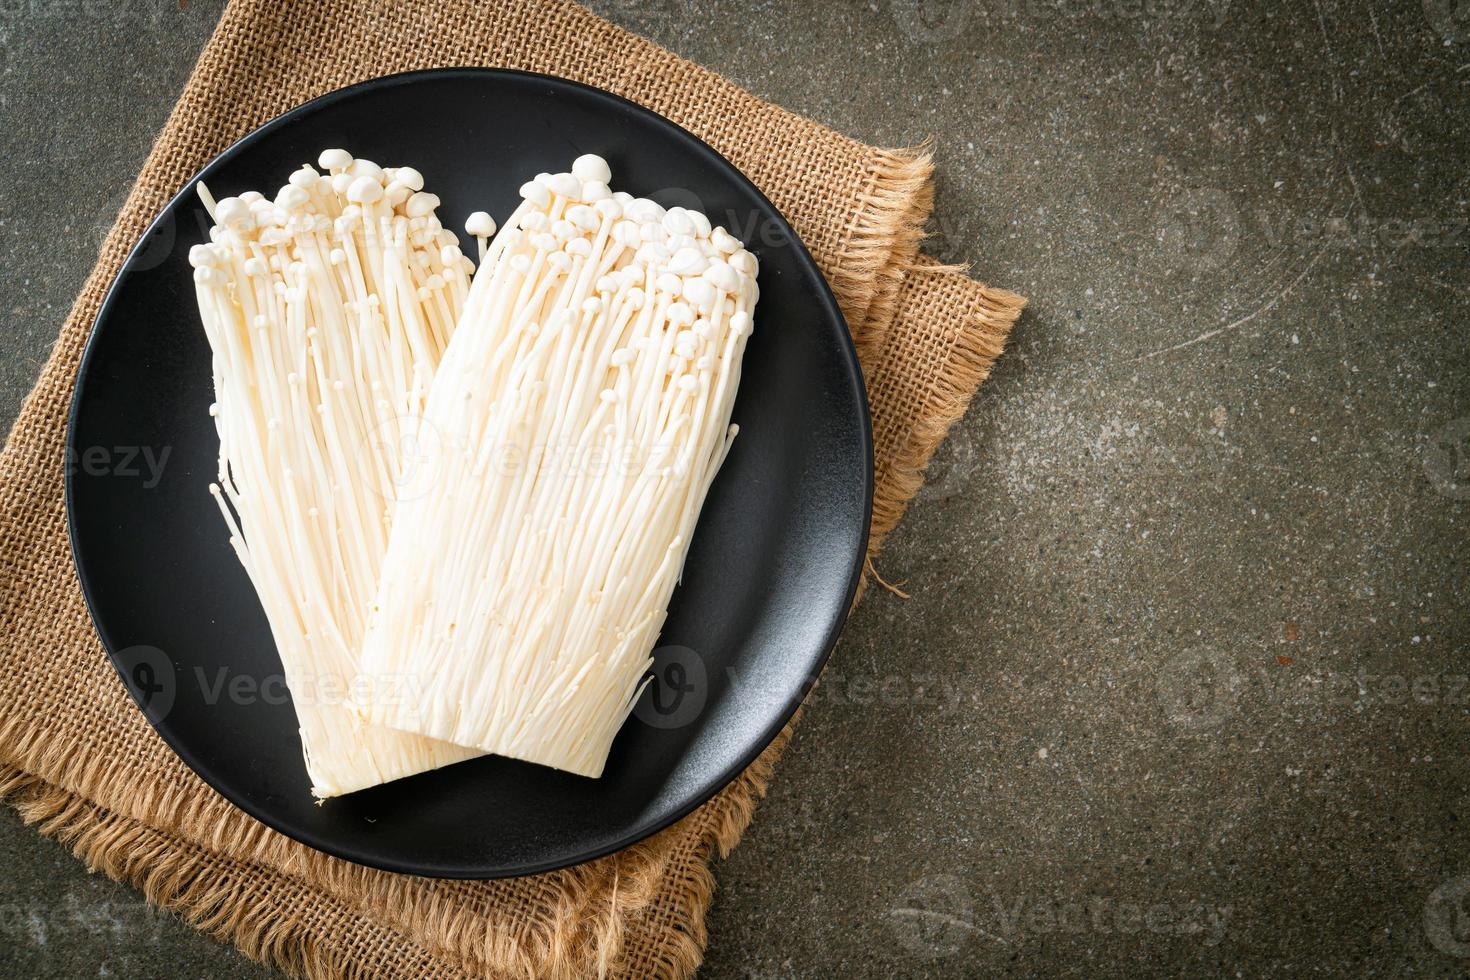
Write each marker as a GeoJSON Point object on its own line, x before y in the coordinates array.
{"type": "Point", "coordinates": [582, 409]}
{"type": "Point", "coordinates": [328, 309]}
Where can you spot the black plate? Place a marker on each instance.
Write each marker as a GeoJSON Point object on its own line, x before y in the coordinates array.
{"type": "Point", "coordinates": [770, 574]}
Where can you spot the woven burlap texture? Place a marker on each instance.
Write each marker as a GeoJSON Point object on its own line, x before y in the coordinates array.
{"type": "Point", "coordinates": [79, 760]}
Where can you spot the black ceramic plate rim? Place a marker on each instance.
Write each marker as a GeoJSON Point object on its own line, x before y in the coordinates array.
{"type": "Point", "coordinates": [823, 298]}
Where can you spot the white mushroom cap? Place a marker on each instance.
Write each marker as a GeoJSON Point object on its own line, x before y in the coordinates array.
{"type": "Point", "coordinates": [203, 257]}
{"type": "Point", "coordinates": [626, 233]}
{"type": "Point", "coordinates": [643, 210]}
{"type": "Point", "coordinates": [724, 241]}
{"type": "Point", "coordinates": [608, 208]}
{"type": "Point", "coordinates": [305, 178]}
{"type": "Point", "coordinates": [652, 253]}
{"type": "Point", "coordinates": [410, 178]}
{"type": "Point", "coordinates": [591, 168]}
{"type": "Point", "coordinates": [723, 276]}
{"type": "Point", "coordinates": [365, 189]}
{"type": "Point", "coordinates": [676, 220]}
{"type": "Point", "coordinates": [233, 212]}
{"type": "Point", "coordinates": [366, 168]}
{"type": "Point", "coordinates": [480, 225]}
{"type": "Point", "coordinates": [396, 193]}
{"type": "Point", "coordinates": [565, 185]}
{"type": "Point", "coordinates": [584, 217]}
{"type": "Point", "coordinates": [700, 293]}
{"type": "Point", "coordinates": [334, 159]}
{"type": "Point", "coordinates": [537, 193]}
{"type": "Point", "coordinates": [421, 204]}
{"type": "Point", "coordinates": [688, 262]}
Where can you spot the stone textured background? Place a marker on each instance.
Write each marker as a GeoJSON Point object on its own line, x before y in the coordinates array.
{"type": "Point", "coordinates": [1182, 684]}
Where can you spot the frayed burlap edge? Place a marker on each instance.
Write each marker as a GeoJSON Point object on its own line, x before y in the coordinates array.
{"type": "Point", "coordinates": [888, 224]}
{"type": "Point", "coordinates": [981, 338]}
{"type": "Point", "coordinates": [204, 890]}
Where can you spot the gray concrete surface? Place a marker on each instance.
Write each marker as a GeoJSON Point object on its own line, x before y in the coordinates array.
{"type": "Point", "coordinates": [1191, 579]}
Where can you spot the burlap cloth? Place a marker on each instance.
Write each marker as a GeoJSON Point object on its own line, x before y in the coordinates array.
{"type": "Point", "coordinates": [79, 760]}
